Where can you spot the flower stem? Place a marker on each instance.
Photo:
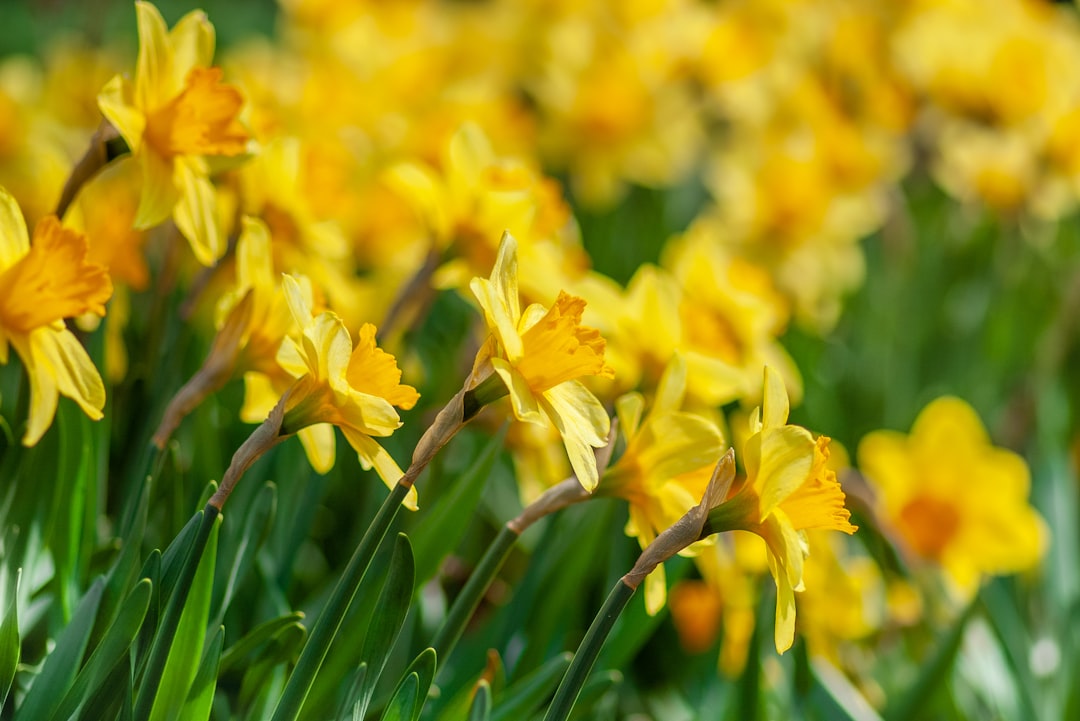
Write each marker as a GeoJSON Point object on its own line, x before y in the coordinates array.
{"type": "Point", "coordinates": [466, 602]}
{"type": "Point", "coordinates": [326, 627]}
{"type": "Point", "coordinates": [574, 680]}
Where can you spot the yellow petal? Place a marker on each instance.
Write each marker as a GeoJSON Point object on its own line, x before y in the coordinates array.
{"type": "Point", "coordinates": [672, 387]}
{"type": "Point", "coordinates": [14, 242]}
{"type": "Point", "coordinates": [655, 591]}
{"type": "Point", "coordinates": [671, 444]}
{"type": "Point", "coordinates": [422, 190]}
{"type": "Point", "coordinates": [58, 364]}
{"type": "Point", "coordinates": [155, 80]}
{"type": "Point", "coordinates": [583, 424]}
{"type": "Point", "coordinates": [521, 396]}
{"type": "Point", "coordinates": [628, 408]}
{"type": "Point", "coordinates": [254, 262]}
{"type": "Point", "coordinates": [371, 454]}
{"type": "Point", "coordinates": [192, 41]}
{"type": "Point", "coordinates": [468, 154]}
{"type": "Point", "coordinates": [299, 303]}
{"type": "Point", "coordinates": [259, 397]}
{"type": "Point", "coordinates": [774, 407]}
{"type": "Point", "coordinates": [196, 212]}
{"type": "Point", "coordinates": [787, 455]}
{"type": "Point", "coordinates": [159, 193]}
{"type": "Point", "coordinates": [784, 631]}
{"type": "Point", "coordinates": [318, 442]}
{"type": "Point", "coordinates": [117, 105]}
{"type": "Point", "coordinates": [371, 414]}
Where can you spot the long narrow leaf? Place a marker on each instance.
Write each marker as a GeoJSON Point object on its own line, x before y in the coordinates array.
{"type": "Point", "coordinates": [114, 645]}
{"type": "Point", "coordinates": [185, 651]}
{"type": "Point", "coordinates": [9, 643]}
{"type": "Point", "coordinates": [62, 664]}
{"type": "Point", "coordinates": [201, 697]}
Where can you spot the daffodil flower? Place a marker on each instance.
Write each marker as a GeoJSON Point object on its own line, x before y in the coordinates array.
{"type": "Point", "coordinates": [788, 490]}
{"type": "Point", "coordinates": [667, 464]}
{"type": "Point", "coordinates": [952, 498]}
{"type": "Point", "coordinates": [175, 113]}
{"type": "Point", "coordinates": [354, 389]}
{"type": "Point", "coordinates": [539, 354]}
{"type": "Point", "coordinates": [40, 285]}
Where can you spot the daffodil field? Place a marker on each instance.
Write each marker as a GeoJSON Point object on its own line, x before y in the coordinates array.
{"type": "Point", "coordinates": [511, 360]}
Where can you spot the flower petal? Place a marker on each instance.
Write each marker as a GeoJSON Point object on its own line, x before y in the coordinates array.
{"type": "Point", "coordinates": [787, 456]}
{"type": "Point", "coordinates": [159, 193]}
{"type": "Point", "coordinates": [319, 446]}
{"type": "Point", "coordinates": [371, 454]}
{"type": "Point", "coordinates": [14, 242]}
{"type": "Point", "coordinates": [774, 407]}
{"type": "Point", "coordinates": [196, 212]}
{"type": "Point", "coordinates": [117, 105]}
{"type": "Point", "coordinates": [154, 77]}
{"type": "Point", "coordinates": [192, 42]}
{"type": "Point", "coordinates": [521, 396]}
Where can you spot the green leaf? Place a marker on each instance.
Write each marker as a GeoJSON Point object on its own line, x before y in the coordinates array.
{"type": "Point", "coordinates": [357, 683]}
{"type": "Point", "coordinates": [62, 664]}
{"type": "Point", "coordinates": [596, 688]}
{"type": "Point", "coordinates": [481, 705]}
{"type": "Point", "coordinates": [257, 685]}
{"type": "Point", "coordinates": [442, 527]}
{"type": "Point", "coordinates": [389, 616]}
{"type": "Point", "coordinates": [523, 697]}
{"type": "Point", "coordinates": [185, 652]}
{"type": "Point", "coordinates": [9, 643]}
{"type": "Point", "coordinates": [835, 696]}
{"type": "Point", "coordinates": [257, 523]}
{"type": "Point", "coordinates": [113, 647]}
{"type": "Point", "coordinates": [201, 697]}
{"type": "Point", "coordinates": [172, 560]}
{"type": "Point", "coordinates": [932, 673]}
{"type": "Point", "coordinates": [403, 704]}
{"type": "Point", "coordinates": [423, 667]}
{"type": "Point", "coordinates": [264, 633]}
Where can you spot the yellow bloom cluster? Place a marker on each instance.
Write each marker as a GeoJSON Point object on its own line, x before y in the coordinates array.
{"type": "Point", "coordinates": [377, 153]}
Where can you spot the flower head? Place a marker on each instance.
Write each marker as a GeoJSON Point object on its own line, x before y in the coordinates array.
{"type": "Point", "coordinates": [174, 114]}
{"type": "Point", "coordinates": [667, 464]}
{"type": "Point", "coordinates": [540, 354]}
{"type": "Point", "coordinates": [951, 497]}
{"type": "Point", "coordinates": [789, 489]}
{"type": "Point", "coordinates": [40, 285]}
{"type": "Point", "coordinates": [336, 384]}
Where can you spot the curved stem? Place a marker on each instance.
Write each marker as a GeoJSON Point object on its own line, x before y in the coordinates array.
{"type": "Point", "coordinates": [572, 683]}
{"type": "Point", "coordinates": [326, 627]}
{"type": "Point", "coordinates": [466, 602]}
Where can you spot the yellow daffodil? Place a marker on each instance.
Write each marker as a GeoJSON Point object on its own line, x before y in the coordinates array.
{"type": "Point", "coordinates": [789, 489]}
{"type": "Point", "coordinates": [40, 285]}
{"type": "Point", "coordinates": [540, 353]}
{"type": "Point", "coordinates": [668, 461]}
{"type": "Point", "coordinates": [952, 498]}
{"type": "Point", "coordinates": [354, 389]}
{"type": "Point", "coordinates": [173, 115]}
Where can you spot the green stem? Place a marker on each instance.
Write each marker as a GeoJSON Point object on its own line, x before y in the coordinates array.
{"type": "Point", "coordinates": [574, 680]}
{"type": "Point", "coordinates": [163, 639]}
{"type": "Point", "coordinates": [326, 627]}
{"type": "Point", "coordinates": [466, 602]}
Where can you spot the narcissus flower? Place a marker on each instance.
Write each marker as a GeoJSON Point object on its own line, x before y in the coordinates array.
{"type": "Point", "coordinates": [175, 114]}
{"type": "Point", "coordinates": [40, 285]}
{"type": "Point", "coordinates": [668, 461]}
{"type": "Point", "coordinates": [354, 389]}
{"type": "Point", "coordinates": [540, 354]}
{"type": "Point", "coordinates": [788, 490]}
{"type": "Point", "coordinates": [952, 498]}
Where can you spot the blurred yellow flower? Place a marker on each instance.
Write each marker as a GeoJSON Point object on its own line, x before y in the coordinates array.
{"type": "Point", "coordinates": [175, 112]}
{"type": "Point", "coordinates": [40, 285]}
{"type": "Point", "coordinates": [952, 498]}
{"type": "Point", "coordinates": [789, 489]}
{"type": "Point", "coordinates": [667, 464]}
{"type": "Point", "coordinates": [354, 389]}
{"type": "Point", "coordinates": [539, 354]}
